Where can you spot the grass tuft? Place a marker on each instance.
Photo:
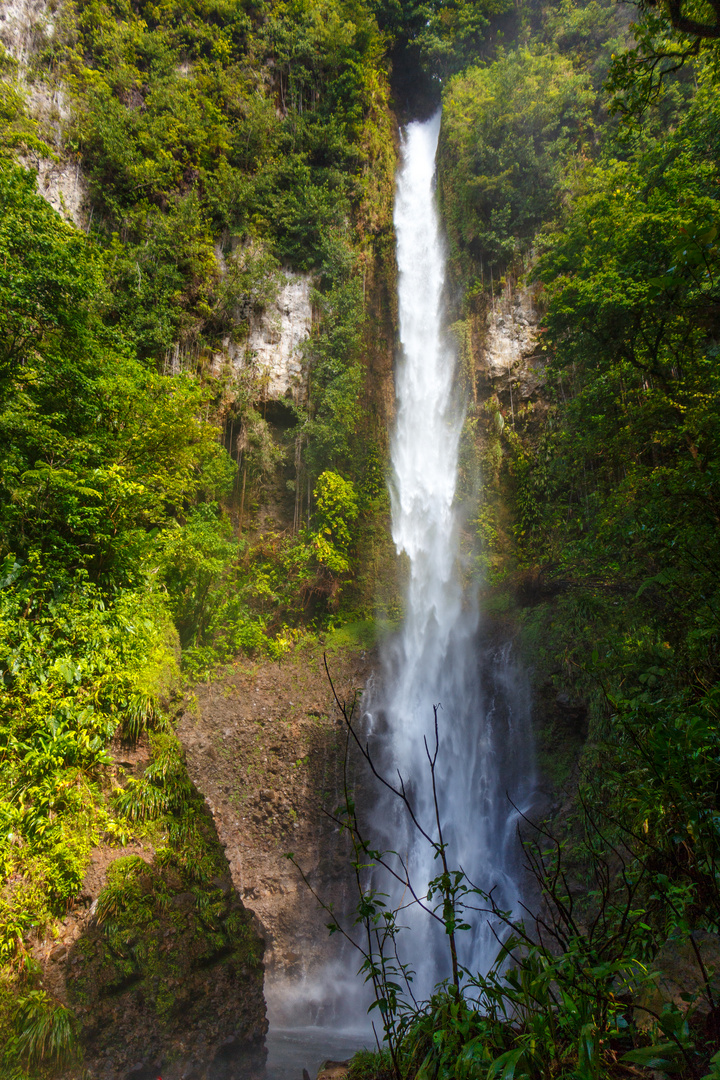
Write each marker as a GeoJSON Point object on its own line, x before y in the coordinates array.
{"type": "Point", "coordinates": [46, 1031]}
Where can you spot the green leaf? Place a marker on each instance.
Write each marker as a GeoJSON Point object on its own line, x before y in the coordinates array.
{"type": "Point", "coordinates": [660, 1056]}
{"type": "Point", "coordinates": [503, 1068]}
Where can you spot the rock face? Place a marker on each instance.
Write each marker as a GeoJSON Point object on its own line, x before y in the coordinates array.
{"type": "Point", "coordinates": [510, 351]}
{"type": "Point", "coordinates": [63, 185]}
{"type": "Point", "coordinates": [273, 348]}
{"type": "Point", "coordinates": [265, 746]}
{"type": "Point", "coordinates": [278, 334]}
{"type": "Point", "coordinates": [24, 25]}
{"type": "Point", "coordinates": [21, 22]}
{"type": "Point", "coordinates": [502, 360]}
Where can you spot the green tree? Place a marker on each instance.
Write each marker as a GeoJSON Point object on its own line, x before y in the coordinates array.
{"type": "Point", "coordinates": [510, 130]}
{"type": "Point", "coordinates": [337, 510]}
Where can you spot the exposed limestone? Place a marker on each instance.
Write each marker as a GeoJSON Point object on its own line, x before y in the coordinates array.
{"type": "Point", "coordinates": [273, 347]}
{"type": "Point", "coordinates": [63, 185]}
{"type": "Point", "coordinates": [24, 26]}
{"type": "Point", "coordinates": [511, 346]}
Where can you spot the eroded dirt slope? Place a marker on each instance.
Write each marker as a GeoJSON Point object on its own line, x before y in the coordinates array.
{"type": "Point", "coordinates": [265, 744]}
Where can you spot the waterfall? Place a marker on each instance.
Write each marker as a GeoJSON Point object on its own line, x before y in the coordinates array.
{"type": "Point", "coordinates": [446, 654]}
{"type": "Point", "coordinates": [440, 657]}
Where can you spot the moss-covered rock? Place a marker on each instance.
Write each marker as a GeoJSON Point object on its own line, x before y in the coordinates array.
{"type": "Point", "coordinates": [168, 972]}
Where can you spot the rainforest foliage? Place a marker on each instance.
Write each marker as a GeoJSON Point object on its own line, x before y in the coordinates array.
{"type": "Point", "coordinates": [226, 142]}
{"type": "Point", "coordinates": [221, 142]}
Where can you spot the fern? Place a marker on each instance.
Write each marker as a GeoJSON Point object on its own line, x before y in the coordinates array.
{"type": "Point", "coordinates": [121, 889]}
{"type": "Point", "coordinates": [141, 715]}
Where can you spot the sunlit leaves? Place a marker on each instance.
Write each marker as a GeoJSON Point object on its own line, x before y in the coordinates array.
{"type": "Point", "coordinates": [72, 675]}
{"type": "Point", "coordinates": [46, 276]}
{"type": "Point", "coordinates": [508, 128]}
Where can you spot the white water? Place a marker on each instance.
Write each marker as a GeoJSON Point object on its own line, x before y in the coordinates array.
{"type": "Point", "coordinates": [437, 658]}
{"type": "Point", "coordinates": [440, 657]}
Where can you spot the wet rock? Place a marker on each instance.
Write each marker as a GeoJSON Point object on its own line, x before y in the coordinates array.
{"type": "Point", "coordinates": [572, 710]}
{"type": "Point", "coordinates": [143, 1071]}
{"type": "Point", "coordinates": [281, 775]}
{"type": "Point", "coordinates": [235, 1060]}
{"type": "Point", "coordinates": [334, 1070]}
{"type": "Point", "coordinates": [192, 1071]}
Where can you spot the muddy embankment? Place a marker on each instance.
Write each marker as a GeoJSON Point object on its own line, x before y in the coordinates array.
{"type": "Point", "coordinates": [168, 981]}
{"type": "Point", "coordinates": [265, 744]}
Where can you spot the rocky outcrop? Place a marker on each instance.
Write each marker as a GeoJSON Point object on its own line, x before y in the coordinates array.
{"type": "Point", "coordinates": [24, 27]}
{"type": "Point", "coordinates": [63, 184]}
{"type": "Point", "coordinates": [265, 746]}
{"type": "Point", "coordinates": [273, 348]}
{"type": "Point", "coordinates": [277, 336]}
{"type": "Point", "coordinates": [510, 355]}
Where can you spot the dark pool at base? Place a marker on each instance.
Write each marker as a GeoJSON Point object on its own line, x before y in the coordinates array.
{"type": "Point", "coordinates": [290, 1050]}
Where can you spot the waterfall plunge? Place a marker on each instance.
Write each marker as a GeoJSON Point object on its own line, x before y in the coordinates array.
{"type": "Point", "coordinates": [437, 659]}
{"type": "Point", "coordinates": [440, 657]}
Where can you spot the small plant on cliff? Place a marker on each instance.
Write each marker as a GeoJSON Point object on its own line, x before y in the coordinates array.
{"type": "Point", "coordinates": [163, 789]}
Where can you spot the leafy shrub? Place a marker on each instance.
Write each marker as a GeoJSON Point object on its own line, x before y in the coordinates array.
{"type": "Point", "coordinates": [371, 1065]}
{"type": "Point", "coordinates": [508, 130]}
{"type": "Point", "coordinates": [163, 789]}
{"type": "Point", "coordinates": [75, 671]}
{"type": "Point", "coordinates": [46, 1031]}
{"type": "Point", "coordinates": [337, 510]}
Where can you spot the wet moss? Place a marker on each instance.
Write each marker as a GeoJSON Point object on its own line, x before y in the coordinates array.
{"type": "Point", "coordinates": [171, 950]}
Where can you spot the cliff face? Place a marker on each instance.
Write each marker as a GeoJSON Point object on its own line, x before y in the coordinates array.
{"type": "Point", "coordinates": [157, 958]}
{"type": "Point", "coordinates": [502, 366]}
{"type": "Point", "coordinates": [25, 26]}
{"type": "Point", "coordinates": [510, 359]}
{"type": "Point", "coordinates": [265, 746]}
{"type": "Point", "coordinates": [276, 338]}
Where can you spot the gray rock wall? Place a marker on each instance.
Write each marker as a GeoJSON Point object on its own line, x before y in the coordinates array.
{"type": "Point", "coordinates": [24, 25]}
{"type": "Point", "coordinates": [511, 346]}
{"type": "Point", "coordinates": [273, 348]}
